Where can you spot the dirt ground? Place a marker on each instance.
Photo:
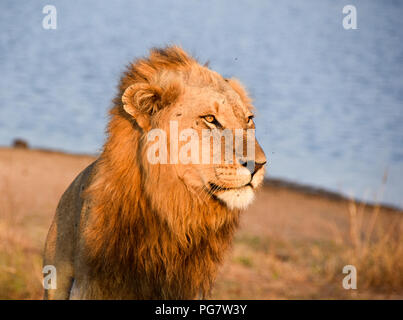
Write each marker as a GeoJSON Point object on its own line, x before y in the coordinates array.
{"type": "Point", "coordinates": [293, 242]}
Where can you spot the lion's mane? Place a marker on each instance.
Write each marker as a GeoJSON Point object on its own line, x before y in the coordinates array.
{"type": "Point", "coordinates": [140, 241]}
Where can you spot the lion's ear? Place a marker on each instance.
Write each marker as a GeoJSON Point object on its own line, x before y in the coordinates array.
{"type": "Point", "coordinates": [142, 100]}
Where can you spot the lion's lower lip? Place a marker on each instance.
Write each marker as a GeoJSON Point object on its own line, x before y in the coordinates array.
{"type": "Point", "coordinates": [215, 188]}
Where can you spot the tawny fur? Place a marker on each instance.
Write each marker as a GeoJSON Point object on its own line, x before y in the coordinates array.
{"type": "Point", "coordinates": [141, 234]}
{"type": "Point", "coordinates": [150, 256]}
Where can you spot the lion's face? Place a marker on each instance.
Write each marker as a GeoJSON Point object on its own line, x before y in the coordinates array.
{"type": "Point", "coordinates": [203, 110]}
{"type": "Point", "coordinates": [188, 103]}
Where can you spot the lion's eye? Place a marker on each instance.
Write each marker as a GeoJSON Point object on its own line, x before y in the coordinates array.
{"type": "Point", "coordinates": [209, 118]}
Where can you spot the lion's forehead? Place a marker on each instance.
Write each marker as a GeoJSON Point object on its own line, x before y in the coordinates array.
{"type": "Point", "coordinates": [226, 104]}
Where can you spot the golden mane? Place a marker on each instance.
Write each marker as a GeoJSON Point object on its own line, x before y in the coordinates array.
{"type": "Point", "coordinates": [148, 244]}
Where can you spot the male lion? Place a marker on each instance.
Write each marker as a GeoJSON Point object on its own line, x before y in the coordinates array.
{"type": "Point", "coordinates": [130, 229]}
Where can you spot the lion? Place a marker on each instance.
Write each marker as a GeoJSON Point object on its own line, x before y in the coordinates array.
{"type": "Point", "coordinates": [127, 228]}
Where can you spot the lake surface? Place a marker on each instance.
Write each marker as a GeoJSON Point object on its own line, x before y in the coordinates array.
{"type": "Point", "coordinates": [329, 100]}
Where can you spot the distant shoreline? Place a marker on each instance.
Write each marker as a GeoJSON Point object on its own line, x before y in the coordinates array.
{"type": "Point", "coordinates": [322, 192]}
{"type": "Point", "coordinates": [269, 182]}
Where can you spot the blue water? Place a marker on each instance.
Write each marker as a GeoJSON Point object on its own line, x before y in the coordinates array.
{"type": "Point", "coordinates": [329, 100]}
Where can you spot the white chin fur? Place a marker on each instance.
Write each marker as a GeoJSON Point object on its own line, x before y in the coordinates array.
{"type": "Point", "coordinates": [237, 198]}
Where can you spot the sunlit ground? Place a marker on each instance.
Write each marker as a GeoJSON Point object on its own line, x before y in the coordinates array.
{"type": "Point", "coordinates": [291, 245]}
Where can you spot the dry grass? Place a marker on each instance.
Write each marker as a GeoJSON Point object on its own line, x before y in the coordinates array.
{"type": "Point", "coordinates": [377, 249]}
{"type": "Point", "coordinates": [307, 263]}
{"type": "Point", "coordinates": [20, 263]}
{"type": "Point", "coordinates": [31, 182]}
{"type": "Point", "coordinates": [291, 245]}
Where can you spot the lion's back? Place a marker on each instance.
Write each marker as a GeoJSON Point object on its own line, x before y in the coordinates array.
{"type": "Point", "coordinates": [64, 232]}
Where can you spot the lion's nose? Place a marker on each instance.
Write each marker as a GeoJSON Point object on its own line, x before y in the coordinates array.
{"type": "Point", "coordinates": [252, 166]}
